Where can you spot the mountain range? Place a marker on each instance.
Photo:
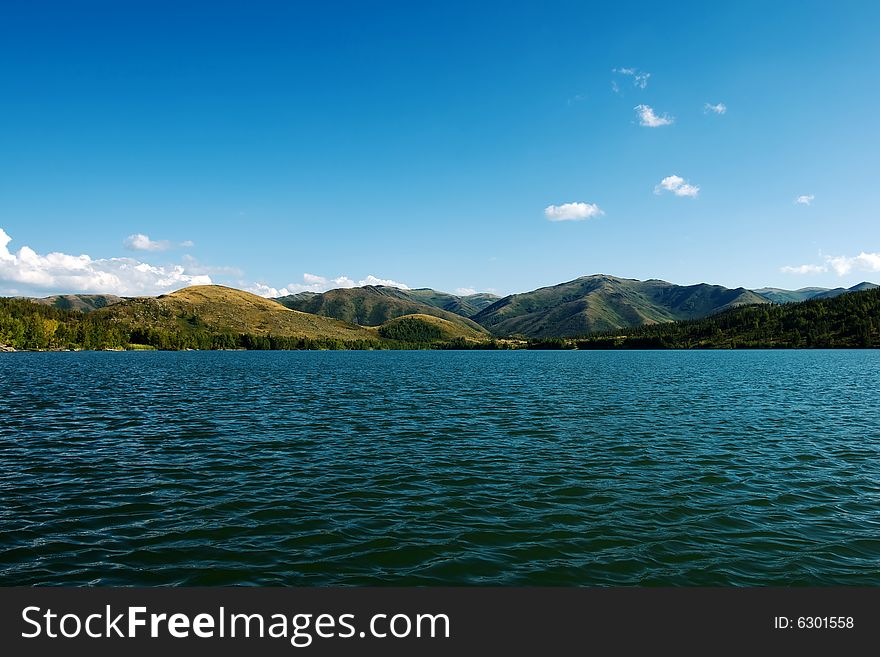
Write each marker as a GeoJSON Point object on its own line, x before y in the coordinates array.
{"type": "Point", "coordinates": [584, 306]}
{"type": "Point", "coordinates": [374, 305]}
{"type": "Point", "coordinates": [777, 295]}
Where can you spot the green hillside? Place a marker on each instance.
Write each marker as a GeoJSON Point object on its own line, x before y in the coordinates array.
{"type": "Point", "coordinates": [371, 305]}
{"type": "Point", "coordinates": [420, 328]}
{"type": "Point", "coordinates": [847, 320]}
{"type": "Point", "coordinates": [603, 303]}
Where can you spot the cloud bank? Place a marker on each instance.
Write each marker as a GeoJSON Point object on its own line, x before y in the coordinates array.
{"type": "Point", "coordinates": [572, 211]}
{"type": "Point", "coordinates": [840, 265]}
{"type": "Point", "coordinates": [314, 283]}
{"type": "Point", "coordinates": [864, 262]}
{"type": "Point", "coordinates": [678, 186]}
{"type": "Point", "coordinates": [27, 272]}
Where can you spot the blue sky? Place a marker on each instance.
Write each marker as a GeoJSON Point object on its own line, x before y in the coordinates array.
{"type": "Point", "coordinates": [254, 143]}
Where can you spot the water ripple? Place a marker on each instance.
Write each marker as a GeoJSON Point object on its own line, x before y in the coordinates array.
{"type": "Point", "coordinates": [528, 468]}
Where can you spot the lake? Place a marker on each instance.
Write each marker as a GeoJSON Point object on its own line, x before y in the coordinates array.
{"type": "Point", "coordinates": [440, 467]}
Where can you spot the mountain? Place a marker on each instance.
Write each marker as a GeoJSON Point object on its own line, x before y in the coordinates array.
{"type": "Point", "coordinates": [224, 309]}
{"type": "Point", "coordinates": [605, 303]}
{"type": "Point", "coordinates": [777, 295]}
{"type": "Point", "coordinates": [83, 302]}
{"type": "Point", "coordinates": [842, 321]}
{"type": "Point", "coordinates": [467, 305]}
{"type": "Point", "coordinates": [836, 292]}
{"type": "Point", "coordinates": [371, 305]}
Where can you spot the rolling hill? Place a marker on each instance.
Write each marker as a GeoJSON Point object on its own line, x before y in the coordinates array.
{"type": "Point", "coordinates": [225, 309]}
{"type": "Point", "coordinates": [371, 305]}
{"type": "Point", "coordinates": [428, 328]}
{"type": "Point", "coordinates": [598, 303]}
{"type": "Point", "coordinates": [82, 302]}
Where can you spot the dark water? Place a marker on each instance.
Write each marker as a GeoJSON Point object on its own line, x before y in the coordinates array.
{"type": "Point", "coordinates": [538, 468]}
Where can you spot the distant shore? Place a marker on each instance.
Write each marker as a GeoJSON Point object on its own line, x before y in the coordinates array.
{"type": "Point", "coordinates": [217, 318]}
{"type": "Point", "coordinates": [523, 347]}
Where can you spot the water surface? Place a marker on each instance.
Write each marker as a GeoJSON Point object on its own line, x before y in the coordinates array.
{"type": "Point", "coordinates": [525, 468]}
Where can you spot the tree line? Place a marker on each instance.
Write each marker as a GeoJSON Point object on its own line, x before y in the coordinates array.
{"type": "Point", "coordinates": [847, 321]}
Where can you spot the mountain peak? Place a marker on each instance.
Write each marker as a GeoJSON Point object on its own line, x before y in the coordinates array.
{"type": "Point", "coordinates": [602, 303]}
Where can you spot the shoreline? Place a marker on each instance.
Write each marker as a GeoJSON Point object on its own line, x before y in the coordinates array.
{"type": "Point", "coordinates": [6, 349]}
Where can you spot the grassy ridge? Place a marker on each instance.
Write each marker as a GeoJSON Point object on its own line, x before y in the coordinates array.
{"type": "Point", "coordinates": [606, 303]}
{"type": "Point", "coordinates": [226, 310]}
{"type": "Point", "coordinates": [83, 302]}
{"type": "Point", "coordinates": [371, 305]}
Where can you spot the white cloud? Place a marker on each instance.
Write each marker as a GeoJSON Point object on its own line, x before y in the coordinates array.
{"type": "Point", "coordinates": [572, 211]}
{"type": "Point", "coordinates": [465, 291]}
{"type": "Point", "coordinates": [315, 283]}
{"type": "Point", "coordinates": [372, 280]}
{"type": "Point", "coordinates": [804, 199]}
{"type": "Point", "coordinates": [678, 186]}
{"type": "Point", "coordinates": [840, 265]}
{"type": "Point", "coordinates": [615, 87]}
{"type": "Point", "coordinates": [718, 108]}
{"type": "Point", "coordinates": [803, 269]}
{"type": "Point", "coordinates": [141, 242]}
{"type": "Point", "coordinates": [59, 272]}
{"type": "Point", "coordinates": [649, 119]}
{"type": "Point", "coordinates": [865, 262]}
{"type": "Point", "coordinates": [263, 290]}
{"type": "Point", "coordinates": [640, 78]}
